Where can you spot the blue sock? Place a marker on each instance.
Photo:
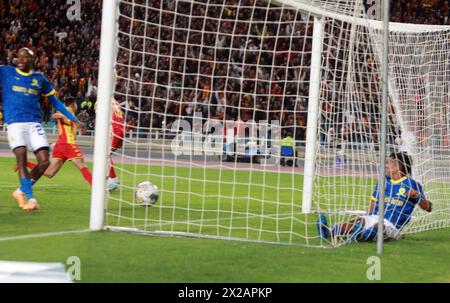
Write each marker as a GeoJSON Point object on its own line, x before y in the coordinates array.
{"type": "Point", "coordinates": [337, 231]}
{"type": "Point", "coordinates": [356, 231]}
{"type": "Point", "coordinates": [26, 187]}
{"type": "Point", "coordinates": [369, 234]}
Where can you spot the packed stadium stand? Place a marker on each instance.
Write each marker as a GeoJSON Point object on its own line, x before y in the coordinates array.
{"type": "Point", "coordinates": [68, 52]}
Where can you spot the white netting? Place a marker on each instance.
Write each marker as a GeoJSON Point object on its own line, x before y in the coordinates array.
{"type": "Point", "coordinates": [189, 72]}
{"type": "Point", "coordinates": [419, 71]}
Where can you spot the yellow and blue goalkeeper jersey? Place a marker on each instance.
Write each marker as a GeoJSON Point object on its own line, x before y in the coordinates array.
{"type": "Point", "coordinates": [398, 206]}
{"type": "Point", "coordinates": [21, 94]}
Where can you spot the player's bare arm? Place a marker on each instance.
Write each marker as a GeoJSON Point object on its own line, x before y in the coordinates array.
{"type": "Point", "coordinates": [57, 116]}
{"type": "Point", "coordinates": [371, 207]}
{"type": "Point", "coordinates": [81, 126]}
{"type": "Point", "coordinates": [424, 204]}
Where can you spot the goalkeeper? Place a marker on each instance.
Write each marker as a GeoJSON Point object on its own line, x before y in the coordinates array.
{"type": "Point", "coordinates": [402, 194]}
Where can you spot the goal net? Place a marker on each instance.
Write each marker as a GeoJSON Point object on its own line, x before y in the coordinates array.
{"type": "Point", "coordinates": [252, 117]}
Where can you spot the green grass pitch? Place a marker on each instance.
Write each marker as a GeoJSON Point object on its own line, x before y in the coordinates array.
{"type": "Point", "coordinates": [123, 257]}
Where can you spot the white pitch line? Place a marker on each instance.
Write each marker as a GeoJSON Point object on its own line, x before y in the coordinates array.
{"type": "Point", "coordinates": [43, 235]}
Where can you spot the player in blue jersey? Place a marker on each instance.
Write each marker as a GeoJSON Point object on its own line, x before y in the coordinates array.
{"type": "Point", "coordinates": [402, 194]}
{"type": "Point", "coordinates": [22, 89]}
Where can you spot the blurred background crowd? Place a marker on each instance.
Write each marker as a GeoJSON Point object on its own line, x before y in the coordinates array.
{"type": "Point", "coordinates": [213, 62]}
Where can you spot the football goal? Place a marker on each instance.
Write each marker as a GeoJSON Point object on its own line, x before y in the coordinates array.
{"type": "Point", "coordinates": [252, 116]}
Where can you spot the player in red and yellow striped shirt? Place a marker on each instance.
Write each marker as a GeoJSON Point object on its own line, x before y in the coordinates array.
{"type": "Point", "coordinates": [66, 147]}
{"type": "Point", "coordinates": [117, 133]}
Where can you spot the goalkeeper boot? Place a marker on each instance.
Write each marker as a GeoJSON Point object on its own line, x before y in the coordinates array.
{"type": "Point", "coordinates": [32, 205]}
{"type": "Point", "coordinates": [322, 227]}
{"type": "Point", "coordinates": [20, 198]}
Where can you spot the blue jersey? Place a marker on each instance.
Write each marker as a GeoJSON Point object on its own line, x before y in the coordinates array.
{"type": "Point", "coordinates": [22, 94]}
{"type": "Point", "coordinates": [398, 207]}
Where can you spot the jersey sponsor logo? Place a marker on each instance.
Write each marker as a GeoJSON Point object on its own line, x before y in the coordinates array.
{"type": "Point", "coordinates": [24, 90]}
{"type": "Point", "coordinates": [396, 202]}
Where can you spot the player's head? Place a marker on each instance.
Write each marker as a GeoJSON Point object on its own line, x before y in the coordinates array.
{"type": "Point", "coordinates": [25, 59]}
{"type": "Point", "coordinates": [399, 164]}
{"type": "Point", "coordinates": [71, 102]}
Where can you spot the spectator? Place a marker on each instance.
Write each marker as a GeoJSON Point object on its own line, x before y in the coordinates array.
{"type": "Point", "coordinates": [288, 152]}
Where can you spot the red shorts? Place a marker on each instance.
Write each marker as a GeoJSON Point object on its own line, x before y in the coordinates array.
{"type": "Point", "coordinates": [65, 151]}
{"type": "Point", "coordinates": [117, 137]}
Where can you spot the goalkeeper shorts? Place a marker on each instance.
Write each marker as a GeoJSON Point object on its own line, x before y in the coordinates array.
{"type": "Point", "coordinates": [389, 229]}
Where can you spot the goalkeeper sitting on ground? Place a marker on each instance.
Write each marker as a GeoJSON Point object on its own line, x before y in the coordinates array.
{"type": "Point", "coordinates": [402, 194]}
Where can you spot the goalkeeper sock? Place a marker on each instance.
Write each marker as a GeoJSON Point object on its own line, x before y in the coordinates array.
{"type": "Point", "coordinates": [86, 175]}
{"type": "Point", "coordinates": [369, 234]}
{"type": "Point", "coordinates": [26, 187]}
{"type": "Point", "coordinates": [337, 231]}
{"type": "Point", "coordinates": [356, 231]}
{"type": "Point", "coordinates": [112, 171]}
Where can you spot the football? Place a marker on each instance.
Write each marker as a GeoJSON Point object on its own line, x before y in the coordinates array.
{"type": "Point", "coordinates": [146, 193]}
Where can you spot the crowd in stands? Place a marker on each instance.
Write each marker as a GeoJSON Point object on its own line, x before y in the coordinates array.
{"type": "Point", "coordinates": [184, 65]}
{"type": "Point", "coordinates": [421, 11]}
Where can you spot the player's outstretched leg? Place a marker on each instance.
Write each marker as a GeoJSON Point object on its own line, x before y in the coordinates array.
{"type": "Point", "coordinates": [43, 158]}
{"type": "Point", "coordinates": [85, 172]}
{"type": "Point", "coordinates": [53, 168]}
{"type": "Point", "coordinates": [30, 165]}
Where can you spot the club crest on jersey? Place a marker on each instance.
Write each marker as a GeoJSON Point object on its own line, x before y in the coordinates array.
{"type": "Point", "coordinates": [34, 82]}
{"type": "Point", "coordinates": [401, 192]}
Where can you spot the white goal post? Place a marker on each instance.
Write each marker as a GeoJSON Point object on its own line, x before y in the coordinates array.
{"type": "Point", "coordinates": [103, 113]}
{"type": "Point", "coordinates": [215, 92]}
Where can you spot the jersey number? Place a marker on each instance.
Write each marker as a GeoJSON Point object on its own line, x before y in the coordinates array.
{"type": "Point", "coordinates": [40, 131]}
